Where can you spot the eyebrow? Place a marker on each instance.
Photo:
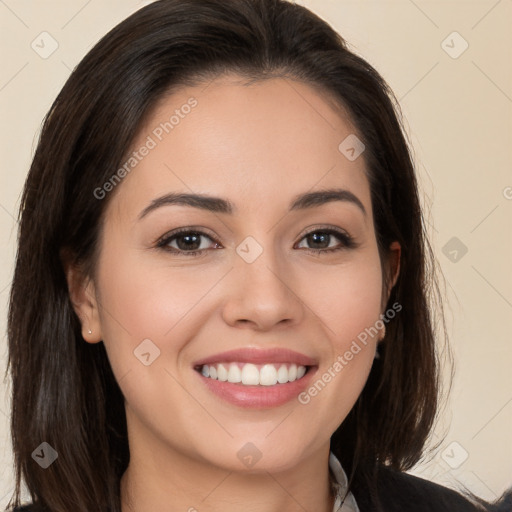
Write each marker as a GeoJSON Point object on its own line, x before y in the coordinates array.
{"type": "Point", "coordinates": [219, 205]}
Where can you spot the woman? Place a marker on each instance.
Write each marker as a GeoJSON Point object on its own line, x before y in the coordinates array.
{"type": "Point", "coordinates": [222, 278]}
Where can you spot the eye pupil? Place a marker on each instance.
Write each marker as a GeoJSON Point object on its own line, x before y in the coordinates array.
{"type": "Point", "coordinates": [192, 241]}
{"type": "Point", "coordinates": [319, 237]}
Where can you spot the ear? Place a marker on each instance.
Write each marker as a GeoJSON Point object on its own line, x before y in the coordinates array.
{"type": "Point", "coordinates": [82, 294]}
{"type": "Point", "coordinates": [393, 269]}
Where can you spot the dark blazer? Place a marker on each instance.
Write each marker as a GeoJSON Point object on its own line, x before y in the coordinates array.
{"type": "Point", "coordinates": [402, 492]}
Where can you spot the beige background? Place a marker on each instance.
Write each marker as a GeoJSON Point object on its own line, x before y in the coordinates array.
{"type": "Point", "coordinates": [459, 118]}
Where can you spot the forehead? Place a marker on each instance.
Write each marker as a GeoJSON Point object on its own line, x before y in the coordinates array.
{"type": "Point", "coordinates": [256, 144]}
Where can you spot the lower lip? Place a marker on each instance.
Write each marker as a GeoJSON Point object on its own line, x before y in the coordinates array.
{"type": "Point", "coordinates": [258, 397]}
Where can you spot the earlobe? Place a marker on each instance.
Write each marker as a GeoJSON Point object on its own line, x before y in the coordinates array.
{"type": "Point", "coordinates": [82, 295]}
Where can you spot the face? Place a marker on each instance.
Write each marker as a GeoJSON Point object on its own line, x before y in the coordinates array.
{"type": "Point", "coordinates": [271, 282]}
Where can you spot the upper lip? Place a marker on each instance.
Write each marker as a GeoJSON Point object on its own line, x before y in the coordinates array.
{"type": "Point", "coordinates": [258, 356]}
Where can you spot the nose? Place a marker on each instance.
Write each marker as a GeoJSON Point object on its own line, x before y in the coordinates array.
{"type": "Point", "coordinates": [261, 295]}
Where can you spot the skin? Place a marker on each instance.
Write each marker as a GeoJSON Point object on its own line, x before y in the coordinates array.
{"type": "Point", "coordinates": [258, 146]}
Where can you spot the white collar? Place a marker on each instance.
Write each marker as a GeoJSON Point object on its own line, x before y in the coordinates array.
{"type": "Point", "coordinates": [349, 504]}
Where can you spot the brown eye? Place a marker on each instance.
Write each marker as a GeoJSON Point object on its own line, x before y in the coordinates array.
{"type": "Point", "coordinates": [186, 241]}
{"type": "Point", "coordinates": [321, 241]}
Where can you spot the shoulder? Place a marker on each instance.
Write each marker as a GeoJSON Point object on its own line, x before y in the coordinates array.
{"type": "Point", "coordinates": [403, 492]}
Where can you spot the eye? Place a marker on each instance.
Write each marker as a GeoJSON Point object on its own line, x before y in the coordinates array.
{"type": "Point", "coordinates": [185, 241]}
{"type": "Point", "coordinates": [192, 242]}
{"type": "Point", "coordinates": [321, 240]}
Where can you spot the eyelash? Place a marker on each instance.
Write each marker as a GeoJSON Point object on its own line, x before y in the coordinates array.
{"type": "Point", "coordinates": [347, 242]}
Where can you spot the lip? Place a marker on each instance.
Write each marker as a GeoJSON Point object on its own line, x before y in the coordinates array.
{"type": "Point", "coordinates": [258, 397]}
{"type": "Point", "coordinates": [259, 356]}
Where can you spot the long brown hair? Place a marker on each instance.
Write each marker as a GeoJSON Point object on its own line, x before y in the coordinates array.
{"type": "Point", "coordinates": [64, 392]}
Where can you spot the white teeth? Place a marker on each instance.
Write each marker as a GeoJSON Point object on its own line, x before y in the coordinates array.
{"type": "Point", "coordinates": [268, 375]}
{"type": "Point", "coordinates": [249, 374]}
{"type": "Point", "coordinates": [282, 374]}
{"type": "Point", "coordinates": [222, 373]}
{"type": "Point", "coordinates": [234, 374]}
{"type": "Point", "coordinates": [292, 373]}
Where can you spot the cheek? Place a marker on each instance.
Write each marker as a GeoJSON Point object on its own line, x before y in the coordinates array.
{"type": "Point", "coordinates": [347, 298]}
{"type": "Point", "coordinates": [347, 301]}
{"type": "Point", "coordinates": [141, 301]}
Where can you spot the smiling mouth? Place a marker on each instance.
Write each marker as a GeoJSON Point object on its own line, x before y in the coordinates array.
{"type": "Point", "coordinates": [249, 374]}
